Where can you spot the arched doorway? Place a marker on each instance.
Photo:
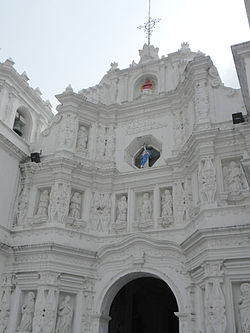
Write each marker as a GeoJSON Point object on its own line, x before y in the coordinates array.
{"type": "Point", "coordinates": [144, 305]}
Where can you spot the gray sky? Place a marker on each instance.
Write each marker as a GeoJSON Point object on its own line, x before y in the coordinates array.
{"type": "Point", "coordinates": [58, 42]}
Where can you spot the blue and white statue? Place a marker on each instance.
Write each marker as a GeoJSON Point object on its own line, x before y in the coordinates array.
{"type": "Point", "coordinates": [145, 157]}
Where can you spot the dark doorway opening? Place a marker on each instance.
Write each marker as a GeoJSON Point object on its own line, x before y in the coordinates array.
{"type": "Point", "coordinates": [144, 305]}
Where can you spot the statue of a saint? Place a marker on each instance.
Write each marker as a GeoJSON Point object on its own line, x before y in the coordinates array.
{"type": "Point", "coordinates": [43, 203]}
{"type": "Point", "coordinates": [75, 206]}
{"type": "Point", "coordinates": [167, 205]}
{"type": "Point", "coordinates": [145, 208]}
{"type": "Point", "coordinates": [234, 178]}
{"type": "Point", "coordinates": [122, 210]}
{"type": "Point", "coordinates": [27, 312]}
{"type": "Point", "coordinates": [145, 157]}
{"type": "Point", "coordinates": [244, 307]}
{"type": "Point", "coordinates": [65, 314]}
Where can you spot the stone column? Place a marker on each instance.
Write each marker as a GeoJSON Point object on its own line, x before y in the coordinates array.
{"type": "Point", "coordinates": [157, 205]}
{"type": "Point", "coordinates": [131, 209]}
{"type": "Point", "coordinates": [46, 303]}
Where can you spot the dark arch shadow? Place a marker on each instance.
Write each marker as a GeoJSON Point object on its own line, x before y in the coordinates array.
{"type": "Point", "coordinates": [144, 305]}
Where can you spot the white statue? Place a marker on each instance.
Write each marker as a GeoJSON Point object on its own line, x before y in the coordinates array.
{"type": "Point", "coordinates": [43, 203]}
{"type": "Point", "coordinates": [233, 178]}
{"type": "Point", "coordinates": [167, 205]}
{"type": "Point", "coordinates": [75, 206]}
{"type": "Point", "coordinates": [145, 209]}
{"type": "Point", "coordinates": [207, 176]}
{"type": "Point", "coordinates": [122, 210]}
{"type": "Point", "coordinates": [244, 307]}
{"type": "Point", "coordinates": [65, 315]}
{"type": "Point", "coordinates": [101, 211]}
{"type": "Point", "coordinates": [27, 312]}
{"type": "Point", "coordinates": [82, 139]}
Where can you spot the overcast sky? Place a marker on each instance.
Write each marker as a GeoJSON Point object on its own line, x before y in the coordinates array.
{"type": "Point", "coordinates": [58, 42]}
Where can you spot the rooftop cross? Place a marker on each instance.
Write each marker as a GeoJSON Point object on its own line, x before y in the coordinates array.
{"type": "Point", "coordinates": [149, 25]}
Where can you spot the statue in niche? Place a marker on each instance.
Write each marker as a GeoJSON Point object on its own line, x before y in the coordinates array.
{"type": "Point", "coordinates": [207, 176]}
{"type": "Point", "coordinates": [101, 210]}
{"type": "Point", "coordinates": [166, 205]}
{"type": "Point", "coordinates": [244, 307]}
{"type": "Point", "coordinates": [122, 210]}
{"type": "Point", "coordinates": [75, 206]}
{"type": "Point", "coordinates": [43, 203]}
{"type": "Point", "coordinates": [145, 157]}
{"type": "Point", "coordinates": [145, 209]}
{"type": "Point", "coordinates": [64, 316]}
{"type": "Point", "coordinates": [27, 312]}
{"type": "Point", "coordinates": [59, 204]}
{"type": "Point", "coordinates": [82, 139]}
{"type": "Point", "coordinates": [233, 178]}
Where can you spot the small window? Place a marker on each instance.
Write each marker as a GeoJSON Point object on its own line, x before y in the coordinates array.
{"type": "Point", "coordinates": [19, 124]}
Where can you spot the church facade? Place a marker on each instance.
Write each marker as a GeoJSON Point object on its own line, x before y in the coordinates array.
{"type": "Point", "coordinates": [131, 195]}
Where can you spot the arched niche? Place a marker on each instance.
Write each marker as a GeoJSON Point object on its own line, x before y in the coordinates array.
{"type": "Point", "coordinates": [22, 125]}
{"type": "Point", "coordinates": [145, 85]}
{"type": "Point", "coordinates": [136, 147]}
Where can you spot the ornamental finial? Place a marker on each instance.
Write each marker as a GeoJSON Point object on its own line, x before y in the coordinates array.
{"type": "Point", "coordinates": [149, 25]}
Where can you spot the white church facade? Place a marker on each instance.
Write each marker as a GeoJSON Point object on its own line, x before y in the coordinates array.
{"type": "Point", "coordinates": [129, 210]}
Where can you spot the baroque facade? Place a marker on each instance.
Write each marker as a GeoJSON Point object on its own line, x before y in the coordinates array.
{"type": "Point", "coordinates": [137, 177]}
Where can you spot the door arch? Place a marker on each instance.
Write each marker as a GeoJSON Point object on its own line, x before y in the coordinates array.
{"type": "Point", "coordinates": [144, 305]}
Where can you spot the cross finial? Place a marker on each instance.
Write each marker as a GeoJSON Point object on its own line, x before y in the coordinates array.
{"type": "Point", "coordinates": [150, 24]}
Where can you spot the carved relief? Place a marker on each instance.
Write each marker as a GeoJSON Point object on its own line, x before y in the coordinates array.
{"type": "Point", "coordinates": [178, 128]}
{"type": "Point", "coordinates": [201, 101]}
{"type": "Point", "coordinates": [82, 140]}
{"type": "Point", "coordinates": [207, 179]}
{"type": "Point", "coordinates": [64, 316]}
{"type": "Point", "coordinates": [244, 307]}
{"type": "Point", "coordinates": [5, 294]}
{"type": "Point", "coordinates": [22, 205]}
{"type": "Point", "coordinates": [27, 313]}
{"type": "Point", "coordinates": [101, 211]}
{"type": "Point", "coordinates": [122, 208]}
{"type": "Point", "coordinates": [215, 318]}
{"type": "Point", "coordinates": [166, 207]}
{"type": "Point", "coordinates": [179, 206]}
{"type": "Point", "coordinates": [234, 178]}
{"type": "Point", "coordinates": [43, 203]}
{"type": "Point", "coordinates": [142, 125]}
{"type": "Point", "coordinates": [67, 134]}
{"type": "Point", "coordinates": [106, 143]}
{"type": "Point", "coordinates": [75, 205]}
{"type": "Point", "coordinates": [45, 311]}
{"type": "Point", "coordinates": [145, 210]}
{"type": "Point", "coordinates": [59, 202]}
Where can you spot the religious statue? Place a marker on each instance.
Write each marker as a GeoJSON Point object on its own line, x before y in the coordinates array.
{"type": "Point", "coordinates": [233, 178]}
{"type": "Point", "coordinates": [145, 157]}
{"type": "Point", "coordinates": [75, 206]}
{"type": "Point", "coordinates": [244, 307]}
{"type": "Point", "coordinates": [82, 139]}
{"type": "Point", "coordinates": [43, 203]}
{"type": "Point", "coordinates": [4, 310]}
{"type": "Point", "coordinates": [145, 209]}
{"type": "Point", "coordinates": [65, 315]}
{"type": "Point", "coordinates": [207, 177]}
{"type": "Point", "coordinates": [122, 210]}
{"type": "Point", "coordinates": [27, 312]}
{"type": "Point", "coordinates": [167, 205]}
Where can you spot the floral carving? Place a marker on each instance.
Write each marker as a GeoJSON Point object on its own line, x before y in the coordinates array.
{"type": "Point", "coordinates": [244, 307]}
{"type": "Point", "coordinates": [101, 211]}
{"type": "Point", "coordinates": [59, 202]}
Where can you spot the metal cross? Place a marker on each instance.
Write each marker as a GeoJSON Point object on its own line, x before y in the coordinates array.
{"type": "Point", "coordinates": [149, 26]}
